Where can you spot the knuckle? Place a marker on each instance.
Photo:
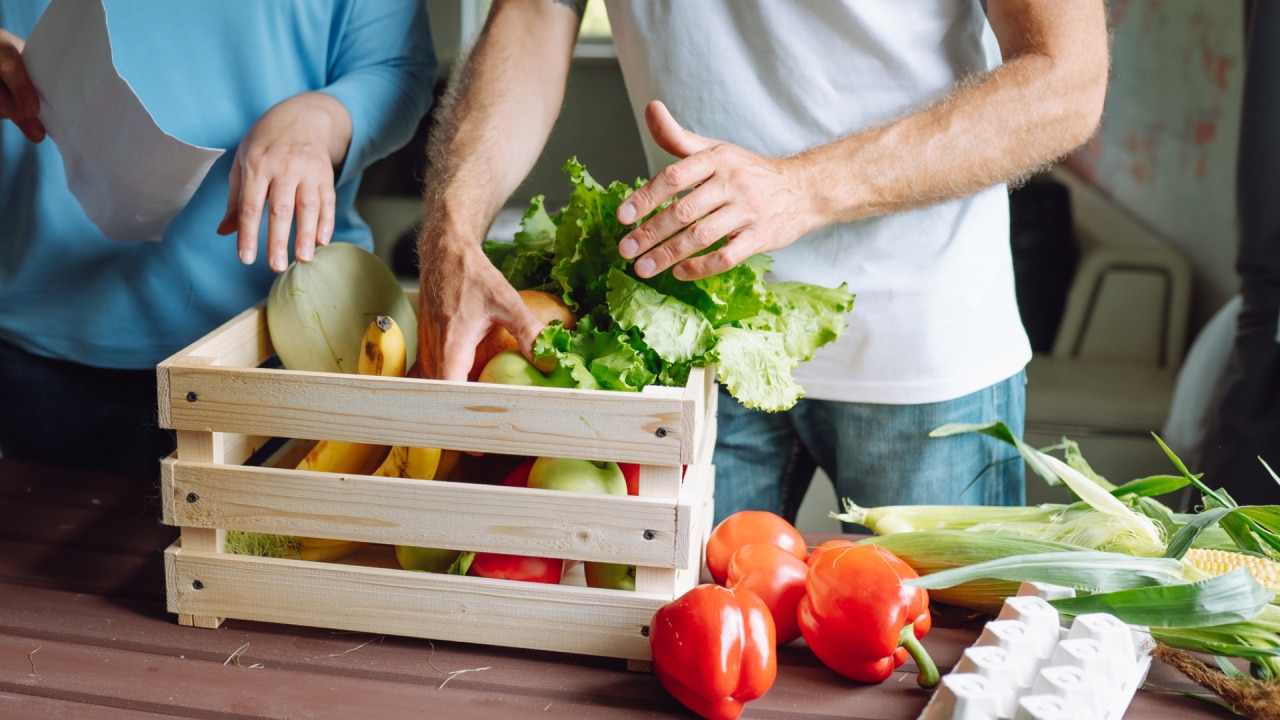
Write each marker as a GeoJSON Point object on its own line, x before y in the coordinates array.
{"type": "Point", "coordinates": [281, 210]}
{"type": "Point", "coordinates": [702, 234]}
{"type": "Point", "coordinates": [250, 210]}
{"type": "Point", "coordinates": [684, 212]}
{"type": "Point", "coordinates": [672, 175]}
{"type": "Point", "coordinates": [309, 205]}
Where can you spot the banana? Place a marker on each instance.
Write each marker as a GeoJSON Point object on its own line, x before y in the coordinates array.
{"type": "Point", "coordinates": [382, 353]}
{"type": "Point", "coordinates": [417, 463]}
{"type": "Point", "coordinates": [382, 350]}
{"type": "Point", "coordinates": [338, 456]}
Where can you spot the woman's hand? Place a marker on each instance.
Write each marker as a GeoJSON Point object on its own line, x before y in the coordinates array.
{"type": "Point", "coordinates": [285, 169]}
{"type": "Point", "coordinates": [19, 100]}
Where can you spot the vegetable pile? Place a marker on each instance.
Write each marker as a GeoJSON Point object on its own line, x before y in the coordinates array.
{"type": "Point", "coordinates": [635, 332]}
{"type": "Point", "coordinates": [1201, 582]}
{"type": "Point", "coordinates": [714, 648]}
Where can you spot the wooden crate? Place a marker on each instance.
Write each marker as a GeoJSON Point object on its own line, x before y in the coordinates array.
{"type": "Point", "coordinates": [226, 406]}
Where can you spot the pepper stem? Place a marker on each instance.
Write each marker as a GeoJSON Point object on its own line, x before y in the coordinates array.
{"type": "Point", "coordinates": [928, 676]}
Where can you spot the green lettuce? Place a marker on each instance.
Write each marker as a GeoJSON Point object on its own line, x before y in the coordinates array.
{"type": "Point", "coordinates": [636, 332]}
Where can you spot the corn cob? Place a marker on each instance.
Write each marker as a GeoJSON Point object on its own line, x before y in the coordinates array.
{"type": "Point", "coordinates": [1218, 562]}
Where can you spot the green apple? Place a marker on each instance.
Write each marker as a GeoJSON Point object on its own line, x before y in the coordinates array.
{"type": "Point", "coordinates": [509, 367]}
{"type": "Point", "coordinates": [610, 575]}
{"type": "Point", "coordinates": [436, 560]}
{"type": "Point", "coordinates": [591, 476]}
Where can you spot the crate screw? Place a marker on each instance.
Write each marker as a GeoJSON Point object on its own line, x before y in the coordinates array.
{"type": "Point", "coordinates": [192, 396]}
{"type": "Point", "coordinates": [661, 432]}
{"type": "Point", "coordinates": [649, 534]}
{"type": "Point", "coordinates": [644, 630]}
{"type": "Point", "coordinates": [197, 585]}
{"type": "Point", "coordinates": [192, 497]}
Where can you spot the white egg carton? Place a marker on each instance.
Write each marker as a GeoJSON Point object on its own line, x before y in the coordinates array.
{"type": "Point", "coordinates": [1027, 664]}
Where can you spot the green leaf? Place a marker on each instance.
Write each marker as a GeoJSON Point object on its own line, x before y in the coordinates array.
{"type": "Point", "coordinates": [1152, 486]}
{"type": "Point", "coordinates": [1233, 597]}
{"type": "Point", "coordinates": [1087, 570]}
{"type": "Point", "coordinates": [1186, 536]}
{"type": "Point", "coordinates": [1101, 500]}
{"type": "Point", "coordinates": [462, 564]}
{"type": "Point", "coordinates": [807, 316]}
{"type": "Point", "coordinates": [1000, 431]}
{"type": "Point", "coordinates": [672, 328]}
{"type": "Point", "coordinates": [756, 369]}
{"type": "Point", "coordinates": [1239, 639]}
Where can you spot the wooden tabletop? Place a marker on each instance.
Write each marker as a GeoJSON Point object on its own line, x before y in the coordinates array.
{"type": "Point", "coordinates": [84, 634]}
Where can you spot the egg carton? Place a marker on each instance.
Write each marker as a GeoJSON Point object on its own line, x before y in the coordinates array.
{"type": "Point", "coordinates": [1030, 664]}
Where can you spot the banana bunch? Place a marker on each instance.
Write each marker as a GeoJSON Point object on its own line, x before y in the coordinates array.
{"type": "Point", "coordinates": [383, 352]}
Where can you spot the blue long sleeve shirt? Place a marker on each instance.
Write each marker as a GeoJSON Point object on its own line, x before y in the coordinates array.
{"type": "Point", "coordinates": [207, 70]}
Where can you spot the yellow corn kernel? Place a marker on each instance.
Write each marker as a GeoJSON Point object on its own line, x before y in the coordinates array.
{"type": "Point", "coordinates": [1218, 562]}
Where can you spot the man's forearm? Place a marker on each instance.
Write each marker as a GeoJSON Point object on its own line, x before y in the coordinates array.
{"type": "Point", "coordinates": [497, 114]}
{"type": "Point", "coordinates": [1043, 102]}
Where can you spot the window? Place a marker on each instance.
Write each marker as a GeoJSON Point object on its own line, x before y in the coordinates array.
{"type": "Point", "coordinates": [595, 40]}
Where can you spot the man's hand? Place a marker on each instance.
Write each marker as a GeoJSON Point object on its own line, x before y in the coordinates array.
{"type": "Point", "coordinates": [19, 100]}
{"type": "Point", "coordinates": [759, 203]}
{"type": "Point", "coordinates": [466, 298]}
{"type": "Point", "coordinates": [285, 168]}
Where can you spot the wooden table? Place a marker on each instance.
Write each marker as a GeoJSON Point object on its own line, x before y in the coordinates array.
{"type": "Point", "coordinates": [84, 634]}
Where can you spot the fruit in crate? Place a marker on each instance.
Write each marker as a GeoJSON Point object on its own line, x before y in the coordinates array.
{"type": "Point", "coordinates": [317, 312]}
{"type": "Point", "coordinates": [589, 476]}
{"type": "Point", "coordinates": [434, 560]}
{"type": "Point", "coordinates": [526, 568]}
{"type": "Point", "coordinates": [548, 307]}
{"type": "Point", "coordinates": [509, 367]}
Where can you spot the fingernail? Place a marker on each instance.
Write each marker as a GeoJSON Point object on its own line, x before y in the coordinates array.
{"type": "Point", "coordinates": [246, 257]}
{"type": "Point", "coordinates": [627, 248]}
{"type": "Point", "coordinates": [304, 254]}
{"type": "Point", "coordinates": [627, 213]}
{"type": "Point", "coordinates": [645, 267]}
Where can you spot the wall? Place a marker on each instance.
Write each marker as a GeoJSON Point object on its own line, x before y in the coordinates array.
{"type": "Point", "coordinates": [1167, 145]}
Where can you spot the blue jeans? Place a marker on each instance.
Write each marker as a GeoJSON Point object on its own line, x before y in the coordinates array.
{"type": "Point", "coordinates": [875, 454]}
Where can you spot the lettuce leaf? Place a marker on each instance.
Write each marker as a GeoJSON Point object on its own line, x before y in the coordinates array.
{"type": "Point", "coordinates": [635, 332]}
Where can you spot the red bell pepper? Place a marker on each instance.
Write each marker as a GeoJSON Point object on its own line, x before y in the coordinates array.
{"type": "Point", "coordinates": [745, 527]}
{"type": "Point", "coordinates": [713, 650]}
{"type": "Point", "coordinates": [858, 617]}
{"type": "Point", "coordinates": [777, 577]}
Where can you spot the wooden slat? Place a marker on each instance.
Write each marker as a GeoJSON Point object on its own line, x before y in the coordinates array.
{"type": "Point", "coordinates": [16, 705]}
{"type": "Point", "coordinates": [589, 424]}
{"type": "Point", "coordinates": [548, 617]}
{"type": "Point", "coordinates": [394, 511]}
{"type": "Point", "coordinates": [199, 446]}
{"type": "Point", "coordinates": [242, 341]}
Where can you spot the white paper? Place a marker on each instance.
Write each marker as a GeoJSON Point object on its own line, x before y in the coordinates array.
{"type": "Point", "coordinates": [130, 176]}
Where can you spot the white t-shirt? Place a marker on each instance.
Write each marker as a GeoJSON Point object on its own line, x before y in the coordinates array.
{"type": "Point", "coordinates": [936, 316]}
